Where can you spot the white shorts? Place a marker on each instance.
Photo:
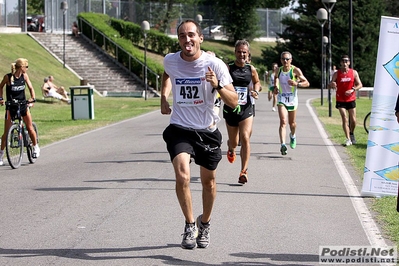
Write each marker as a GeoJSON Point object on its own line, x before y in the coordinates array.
{"type": "Point", "coordinates": [54, 94]}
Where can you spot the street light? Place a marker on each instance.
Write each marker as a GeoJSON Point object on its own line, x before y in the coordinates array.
{"type": "Point", "coordinates": [199, 19]}
{"type": "Point", "coordinates": [322, 18]}
{"type": "Point", "coordinates": [64, 8]}
{"type": "Point", "coordinates": [351, 33]}
{"type": "Point", "coordinates": [326, 79]}
{"type": "Point", "coordinates": [329, 5]}
{"type": "Point", "coordinates": [145, 27]}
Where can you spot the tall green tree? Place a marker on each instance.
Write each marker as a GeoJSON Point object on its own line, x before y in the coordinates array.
{"type": "Point", "coordinates": [240, 18]}
{"type": "Point", "coordinates": [302, 37]}
{"type": "Point", "coordinates": [35, 7]}
{"type": "Point", "coordinates": [274, 4]}
{"type": "Point", "coordinates": [392, 9]}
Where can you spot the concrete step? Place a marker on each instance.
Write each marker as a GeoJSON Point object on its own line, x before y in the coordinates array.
{"type": "Point", "coordinates": [91, 63]}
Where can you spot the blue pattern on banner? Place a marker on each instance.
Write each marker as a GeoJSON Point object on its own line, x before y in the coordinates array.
{"type": "Point", "coordinates": [393, 68]}
{"type": "Point", "coordinates": [393, 147]}
{"type": "Point", "coordinates": [390, 173]}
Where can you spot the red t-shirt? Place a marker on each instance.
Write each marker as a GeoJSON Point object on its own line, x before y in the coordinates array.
{"type": "Point", "coordinates": [345, 81]}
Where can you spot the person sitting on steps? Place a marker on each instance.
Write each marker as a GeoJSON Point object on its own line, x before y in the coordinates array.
{"type": "Point", "coordinates": [75, 29]}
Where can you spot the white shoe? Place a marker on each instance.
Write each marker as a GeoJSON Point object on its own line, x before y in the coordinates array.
{"type": "Point", "coordinates": [1, 157]}
{"type": "Point", "coordinates": [36, 151]}
{"type": "Point", "coordinates": [348, 142]}
{"type": "Point", "coordinates": [1, 162]}
{"type": "Point", "coordinates": [274, 109]}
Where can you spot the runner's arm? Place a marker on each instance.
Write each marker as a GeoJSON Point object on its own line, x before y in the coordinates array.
{"type": "Point", "coordinates": [302, 80]}
{"type": "Point", "coordinates": [166, 88]}
{"type": "Point", "coordinates": [358, 84]}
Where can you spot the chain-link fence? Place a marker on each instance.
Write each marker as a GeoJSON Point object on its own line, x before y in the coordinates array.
{"type": "Point", "coordinates": [154, 13]}
{"type": "Point", "coordinates": [12, 13]}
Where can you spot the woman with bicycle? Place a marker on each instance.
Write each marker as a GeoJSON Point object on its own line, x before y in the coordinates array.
{"type": "Point", "coordinates": [16, 82]}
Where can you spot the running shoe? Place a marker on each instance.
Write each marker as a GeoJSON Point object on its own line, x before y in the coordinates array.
{"type": "Point", "coordinates": [353, 139]}
{"type": "Point", "coordinates": [243, 177]}
{"type": "Point", "coordinates": [283, 149]}
{"type": "Point", "coordinates": [1, 157]}
{"type": "Point", "coordinates": [36, 151]}
{"type": "Point", "coordinates": [274, 109]}
{"type": "Point", "coordinates": [348, 142]}
{"type": "Point", "coordinates": [204, 237]}
{"type": "Point", "coordinates": [292, 142]}
{"type": "Point", "coordinates": [189, 236]}
{"type": "Point", "coordinates": [231, 156]}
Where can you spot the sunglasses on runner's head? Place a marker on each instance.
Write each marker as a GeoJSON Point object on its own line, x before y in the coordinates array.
{"type": "Point", "coordinates": [285, 59]}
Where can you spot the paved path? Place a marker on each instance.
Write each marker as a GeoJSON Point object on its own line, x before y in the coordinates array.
{"type": "Point", "coordinates": [107, 198]}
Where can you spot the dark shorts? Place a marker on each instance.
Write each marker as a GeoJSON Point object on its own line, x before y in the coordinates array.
{"type": "Point", "coordinates": [13, 110]}
{"type": "Point", "coordinates": [232, 118]}
{"type": "Point", "coordinates": [346, 105]}
{"type": "Point", "coordinates": [202, 145]}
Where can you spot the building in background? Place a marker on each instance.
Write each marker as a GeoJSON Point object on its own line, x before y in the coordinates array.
{"type": "Point", "coordinates": [13, 16]}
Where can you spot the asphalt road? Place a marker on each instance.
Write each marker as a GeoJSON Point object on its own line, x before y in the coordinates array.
{"type": "Point", "coordinates": [107, 197]}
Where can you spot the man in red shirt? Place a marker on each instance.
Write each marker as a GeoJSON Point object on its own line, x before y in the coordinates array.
{"type": "Point", "coordinates": [346, 81]}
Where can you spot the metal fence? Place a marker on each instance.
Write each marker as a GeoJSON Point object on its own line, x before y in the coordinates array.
{"type": "Point", "coordinates": [270, 19]}
{"type": "Point", "coordinates": [119, 55]}
{"type": "Point", "coordinates": [12, 13]}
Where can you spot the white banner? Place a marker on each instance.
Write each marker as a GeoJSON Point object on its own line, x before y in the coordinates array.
{"type": "Point", "coordinates": [381, 171]}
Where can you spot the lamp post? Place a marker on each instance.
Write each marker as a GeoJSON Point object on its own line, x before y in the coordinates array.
{"type": "Point", "coordinates": [145, 27]}
{"type": "Point", "coordinates": [322, 18]}
{"type": "Point", "coordinates": [325, 42]}
{"type": "Point", "coordinates": [329, 5]}
{"type": "Point", "coordinates": [64, 8]}
{"type": "Point", "coordinates": [351, 33]}
{"type": "Point", "coordinates": [199, 19]}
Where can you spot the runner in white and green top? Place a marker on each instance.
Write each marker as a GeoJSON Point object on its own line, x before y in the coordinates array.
{"type": "Point", "coordinates": [288, 79]}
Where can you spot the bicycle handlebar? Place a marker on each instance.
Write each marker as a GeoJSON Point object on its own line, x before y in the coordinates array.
{"type": "Point", "coordinates": [15, 101]}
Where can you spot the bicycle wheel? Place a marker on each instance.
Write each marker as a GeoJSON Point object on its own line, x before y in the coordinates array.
{"type": "Point", "coordinates": [366, 122]}
{"type": "Point", "coordinates": [14, 146]}
{"type": "Point", "coordinates": [29, 147]}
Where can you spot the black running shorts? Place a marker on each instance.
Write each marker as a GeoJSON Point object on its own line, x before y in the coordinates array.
{"type": "Point", "coordinates": [202, 145]}
{"type": "Point", "coordinates": [232, 118]}
{"type": "Point", "coordinates": [346, 105]}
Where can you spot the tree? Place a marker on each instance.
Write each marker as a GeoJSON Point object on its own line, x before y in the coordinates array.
{"type": "Point", "coordinates": [170, 9]}
{"type": "Point", "coordinates": [392, 8]}
{"type": "Point", "coordinates": [275, 4]}
{"type": "Point", "coordinates": [240, 18]}
{"type": "Point", "coordinates": [302, 37]}
{"type": "Point", "coordinates": [35, 7]}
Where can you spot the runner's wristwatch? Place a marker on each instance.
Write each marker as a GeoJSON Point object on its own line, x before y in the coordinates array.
{"type": "Point", "coordinates": [218, 87]}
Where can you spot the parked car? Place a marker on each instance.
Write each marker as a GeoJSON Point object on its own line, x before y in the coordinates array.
{"type": "Point", "coordinates": [35, 23]}
{"type": "Point", "coordinates": [215, 30]}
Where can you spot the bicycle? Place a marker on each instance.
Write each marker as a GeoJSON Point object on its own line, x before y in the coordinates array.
{"type": "Point", "coordinates": [18, 137]}
{"type": "Point", "coordinates": [366, 122]}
